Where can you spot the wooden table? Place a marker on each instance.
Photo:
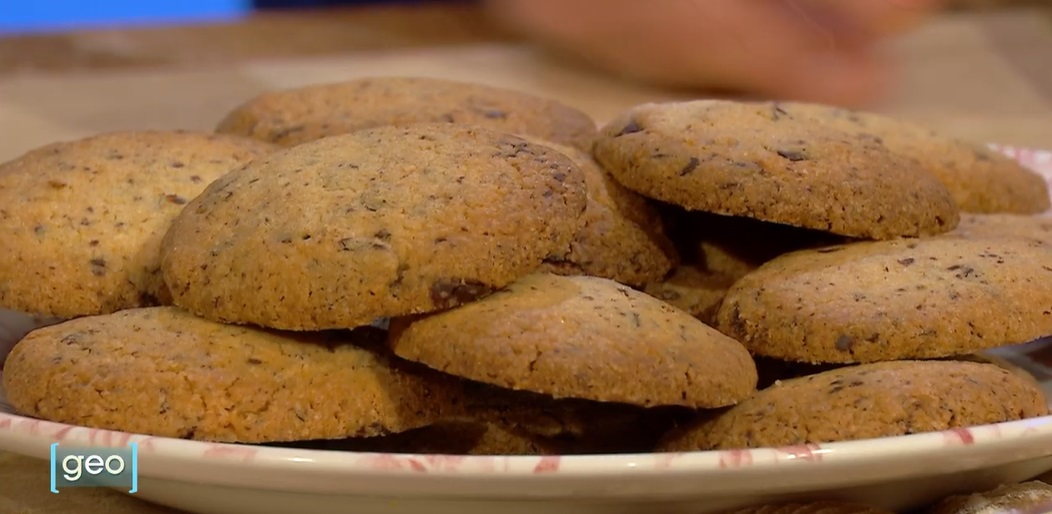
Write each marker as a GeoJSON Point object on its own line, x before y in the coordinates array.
{"type": "Point", "coordinates": [983, 76]}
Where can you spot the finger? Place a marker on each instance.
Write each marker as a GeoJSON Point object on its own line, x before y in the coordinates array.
{"type": "Point", "coordinates": [762, 50]}
{"type": "Point", "coordinates": [744, 45]}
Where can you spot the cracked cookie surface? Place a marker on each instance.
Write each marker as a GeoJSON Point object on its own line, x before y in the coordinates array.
{"type": "Point", "coordinates": [384, 222]}
{"type": "Point", "coordinates": [750, 159]}
{"type": "Point", "coordinates": [866, 401]}
{"type": "Point", "coordinates": [81, 221]}
{"type": "Point", "coordinates": [580, 337]}
{"type": "Point", "coordinates": [293, 116]}
{"type": "Point", "coordinates": [885, 300]}
{"type": "Point", "coordinates": [162, 371]}
{"type": "Point", "coordinates": [980, 179]}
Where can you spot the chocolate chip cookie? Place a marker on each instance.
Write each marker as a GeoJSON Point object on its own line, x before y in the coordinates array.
{"type": "Point", "coordinates": [867, 401]}
{"type": "Point", "coordinates": [621, 237]}
{"type": "Point", "coordinates": [581, 337]}
{"type": "Point", "coordinates": [293, 116]}
{"type": "Point", "coordinates": [692, 290]}
{"type": "Point", "coordinates": [749, 159]}
{"type": "Point", "coordinates": [1011, 226]}
{"type": "Point", "coordinates": [81, 221]}
{"type": "Point", "coordinates": [981, 180]}
{"type": "Point", "coordinates": [383, 222]}
{"type": "Point", "coordinates": [164, 372]}
{"type": "Point", "coordinates": [886, 300]}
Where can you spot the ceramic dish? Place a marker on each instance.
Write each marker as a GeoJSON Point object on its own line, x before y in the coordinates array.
{"type": "Point", "coordinates": [896, 473]}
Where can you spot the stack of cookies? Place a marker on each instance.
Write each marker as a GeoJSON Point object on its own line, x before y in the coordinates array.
{"type": "Point", "coordinates": [418, 265]}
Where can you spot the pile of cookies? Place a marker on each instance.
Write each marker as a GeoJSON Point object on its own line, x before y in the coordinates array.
{"type": "Point", "coordinates": [419, 265]}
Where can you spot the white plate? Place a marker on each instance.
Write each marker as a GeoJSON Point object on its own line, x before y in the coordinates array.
{"type": "Point", "coordinates": [897, 473]}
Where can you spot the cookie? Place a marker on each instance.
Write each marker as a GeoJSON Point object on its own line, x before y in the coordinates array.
{"type": "Point", "coordinates": [989, 358]}
{"type": "Point", "coordinates": [621, 237]}
{"type": "Point", "coordinates": [163, 372]}
{"type": "Point", "coordinates": [580, 337]}
{"type": "Point", "coordinates": [748, 159]}
{"type": "Point", "coordinates": [885, 300]}
{"type": "Point", "coordinates": [818, 507]}
{"type": "Point", "coordinates": [1010, 498]}
{"type": "Point", "coordinates": [981, 180]}
{"type": "Point", "coordinates": [1010, 226]}
{"type": "Point", "coordinates": [734, 246]}
{"type": "Point", "coordinates": [867, 401]}
{"type": "Point", "coordinates": [692, 290]}
{"type": "Point", "coordinates": [581, 426]}
{"type": "Point", "coordinates": [294, 116]}
{"type": "Point", "coordinates": [81, 221]}
{"type": "Point", "coordinates": [379, 223]}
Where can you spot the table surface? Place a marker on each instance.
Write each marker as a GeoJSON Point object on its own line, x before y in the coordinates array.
{"type": "Point", "coordinates": [983, 76]}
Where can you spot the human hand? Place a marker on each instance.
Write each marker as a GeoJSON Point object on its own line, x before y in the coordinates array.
{"type": "Point", "coordinates": [808, 50]}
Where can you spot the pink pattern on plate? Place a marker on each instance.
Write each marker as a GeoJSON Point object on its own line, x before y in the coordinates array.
{"type": "Point", "coordinates": [147, 445]}
{"type": "Point", "coordinates": [35, 427]}
{"type": "Point", "coordinates": [229, 452]}
{"type": "Point", "coordinates": [735, 458]}
{"type": "Point", "coordinates": [108, 438]}
{"type": "Point", "coordinates": [1040, 161]}
{"type": "Point", "coordinates": [60, 436]}
{"type": "Point", "coordinates": [808, 452]}
{"type": "Point", "coordinates": [392, 462]}
{"type": "Point", "coordinates": [959, 437]}
{"type": "Point", "coordinates": [663, 461]}
{"type": "Point", "coordinates": [548, 464]}
{"type": "Point", "coordinates": [443, 462]}
{"type": "Point", "coordinates": [5, 423]}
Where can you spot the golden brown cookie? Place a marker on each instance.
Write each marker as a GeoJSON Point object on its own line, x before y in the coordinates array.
{"type": "Point", "coordinates": [621, 237]}
{"type": "Point", "coordinates": [162, 371]}
{"type": "Point", "coordinates": [693, 290]}
{"type": "Point", "coordinates": [293, 116]}
{"type": "Point", "coordinates": [1010, 226]}
{"type": "Point", "coordinates": [383, 222]}
{"type": "Point", "coordinates": [902, 299]}
{"type": "Point", "coordinates": [580, 337]}
{"type": "Point", "coordinates": [1021, 498]}
{"type": "Point", "coordinates": [990, 358]}
{"type": "Point", "coordinates": [818, 507]}
{"type": "Point", "coordinates": [867, 401]}
{"type": "Point", "coordinates": [748, 159]}
{"type": "Point", "coordinates": [981, 180]}
{"type": "Point", "coordinates": [81, 221]}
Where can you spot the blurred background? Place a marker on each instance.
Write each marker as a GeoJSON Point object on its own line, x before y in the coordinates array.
{"type": "Point", "coordinates": [35, 16]}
